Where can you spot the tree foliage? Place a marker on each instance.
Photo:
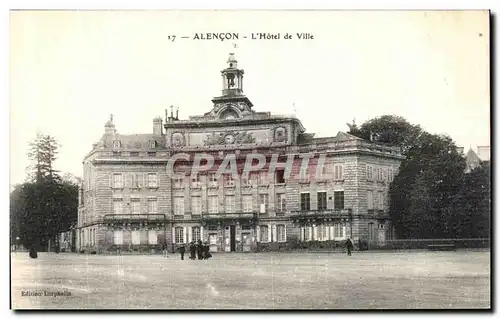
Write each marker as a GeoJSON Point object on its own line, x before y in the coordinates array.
{"type": "Point", "coordinates": [431, 197]}
{"type": "Point", "coordinates": [45, 204]}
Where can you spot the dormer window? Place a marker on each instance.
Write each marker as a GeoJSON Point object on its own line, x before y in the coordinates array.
{"type": "Point", "coordinates": [117, 144]}
{"type": "Point", "coordinates": [152, 144]}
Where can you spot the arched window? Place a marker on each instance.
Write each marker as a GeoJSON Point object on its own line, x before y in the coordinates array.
{"type": "Point", "coordinates": [117, 144]}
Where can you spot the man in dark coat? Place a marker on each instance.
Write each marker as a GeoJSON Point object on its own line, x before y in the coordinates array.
{"type": "Point", "coordinates": [199, 249]}
{"type": "Point", "coordinates": [349, 246]}
{"type": "Point", "coordinates": [206, 251]}
{"type": "Point", "coordinates": [33, 254]}
{"type": "Point", "coordinates": [192, 250]}
{"type": "Point", "coordinates": [182, 250]}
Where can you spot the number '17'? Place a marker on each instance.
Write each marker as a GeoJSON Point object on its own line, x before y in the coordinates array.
{"type": "Point", "coordinates": [171, 38]}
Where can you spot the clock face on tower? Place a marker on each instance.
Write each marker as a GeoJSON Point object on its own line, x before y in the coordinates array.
{"type": "Point", "coordinates": [229, 139]}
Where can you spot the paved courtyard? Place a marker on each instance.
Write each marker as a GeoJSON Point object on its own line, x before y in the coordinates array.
{"type": "Point", "coordinates": [366, 280]}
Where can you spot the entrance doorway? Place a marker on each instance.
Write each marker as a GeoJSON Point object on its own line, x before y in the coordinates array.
{"type": "Point", "coordinates": [232, 237]}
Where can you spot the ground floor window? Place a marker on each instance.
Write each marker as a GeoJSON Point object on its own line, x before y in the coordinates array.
{"type": "Point", "coordinates": [212, 239]}
{"type": "Point", "coordinates": [264, 234]}
{"type": "Point", "coordinates": [118, 237]}
{"type": "Point", "coordinates": [308, 233]}
{"type": "Point", "coordinates": [281, 233]}
{"type": "Point", "coordinates": [152, 237]}
{"type": "Point", "coordinates": [196, 233]}
{"type": "Point", "coordinates": [136, 237]}
{"type": "Point", "coordinates": [179, 235]}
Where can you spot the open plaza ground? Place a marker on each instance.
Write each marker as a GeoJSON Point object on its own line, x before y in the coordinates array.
{"type": "Point", "coordinates": [365, 280]}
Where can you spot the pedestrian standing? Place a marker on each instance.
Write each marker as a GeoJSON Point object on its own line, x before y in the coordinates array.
{"type": "Point", "coordinates": [182, 250]}
{"type": "Point", "coordinates": [192, 251]}
{"type": "Point", "coordinates": [199, 249]}
{"type": "Point", "coordinates": [349, 246]}
{"type": "Point", "coordinates": [164, 248]}
{"type": "Point", "coordinates": [206, 251]}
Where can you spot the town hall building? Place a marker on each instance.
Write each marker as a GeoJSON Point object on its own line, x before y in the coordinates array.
{"type": "Point", "coordinates": [128, 201]}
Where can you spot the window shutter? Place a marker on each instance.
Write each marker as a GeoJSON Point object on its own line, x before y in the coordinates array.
{"type": "Point", "coordinates": [190, 234]}
{"type": "Point", "coordinates": [173, 235]}
{"type": "Point", "coordinates": [258, 233]}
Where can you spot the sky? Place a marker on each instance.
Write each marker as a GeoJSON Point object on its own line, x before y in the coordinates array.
{"type": "Point", "coordinates": [69, 70]}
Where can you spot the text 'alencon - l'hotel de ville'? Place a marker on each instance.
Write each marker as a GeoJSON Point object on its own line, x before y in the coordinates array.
{"type": "Point", "coordinates": [128, 201]}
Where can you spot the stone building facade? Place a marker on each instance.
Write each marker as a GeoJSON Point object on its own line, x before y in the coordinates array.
{"type": "Point", "coordinates": [308, 189]}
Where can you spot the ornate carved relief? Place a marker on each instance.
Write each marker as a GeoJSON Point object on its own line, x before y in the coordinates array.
{"type": "Point", "coordinates": [177, 139]}
{"type": "Point", "coordinates": [229, 138]}
{"type": "Point", "coordinates": [280, 134]}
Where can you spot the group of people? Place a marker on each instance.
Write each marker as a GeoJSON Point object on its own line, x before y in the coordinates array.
{"type": "Point", "coordinates": [202, 250]}
{"type": "Point", "coordinates": [198, 249]}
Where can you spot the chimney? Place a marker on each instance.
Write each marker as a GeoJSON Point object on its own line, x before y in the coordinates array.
{"type": "Point", "coordinates": [157, 126]}
{"type": "Point", "coordinates": [177, 114]}
{"type": "Point", "coordinates": [166, 115]}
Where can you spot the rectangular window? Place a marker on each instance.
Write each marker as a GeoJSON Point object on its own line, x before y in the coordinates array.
{"type": "Point", "coordinates": [321, 201]}
{"type": "Point", "coordinates": [369, 173]}
{"type": "Point", "coordinates": [118, 206]}
{"type": "Point", "coordinates": [196, 233]}
{"type": "Point", "coordinates": [152, 180]}
{"type": "Point", "coordinates": [230, 204]}
{"type": "Point", "coordinates": [326, 232]}
{"type": "Point", "coordinates": [212, 238]}
{"type": "Point", "coordinates": [303, 176]}
{"type": "Point", "coordinates": [178, 205]}
{"type": "Point", "coordinates": [135, 206]}
{"type": "Point", "coordinates": [196, 205]}
{"type": "Point", "coordinates": [281, 203]}
{"type": "Point", "coordinates": [263, 178]}
{"type": "Point", "coordinates": [281, 233]}
{"type": "Point", "coordinates": [152, 237]}
{"type": "Point", "coordinates": [196, 181]}
{"type": "Point", "coordinates": [117, 180]}
{"type": "Point", "coordinates": [212, 179]}
{"type": "Point", "coordinates": [264, 234]}
{"type": "Point", "coordinates": [338, 173]}
{"type": "Point", "coordinates": [136, 237]}
{"type": "Point", "coordinates": [136, 180]}
{"type": "Point", "coordinates": [280, 176]}
{"type": "Point", "coordinates": [305, 201]}
{"type": "Point", "coordinates": [228, 180]}
{"type": "Point", "coordinates": [213, 204]}
{"type": "Point", "coordinates": [308, 233]}
{"type": "Point", "coordinates": [379, 174]}
{"type": "Point", "coordinates": [254, 178]}
{"type": "Point", "coordinates": [152, 206]}
{"type": "Point", "coordinates": [179, 235]}
{"type": "Point", "coordinates": [264, 203]}
{"type": "Point", "coordinates": [369, 199]}
{"type": "Point", "coordinates": [118, 237]}
{"type": "Point", "coordinates": [247, 203]}
{"type": "Point", "coordinates": [338, 199]}
{"type": "Point", "coordinates": [380, 200]}
{"type": "Point", "coordinates": [179, 181]}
